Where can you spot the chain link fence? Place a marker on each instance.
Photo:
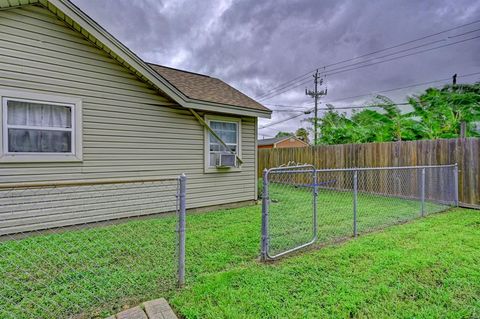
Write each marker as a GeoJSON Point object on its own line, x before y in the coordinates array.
{"type": "Point", "coordinates": [69, 248]}
{"type": "Point", "coordinates": [303, 205]}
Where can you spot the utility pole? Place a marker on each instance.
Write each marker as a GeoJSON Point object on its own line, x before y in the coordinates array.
{"type": "Point", "coordinates": [463, 124]}
{"type": "Point", "coordinates": [316, 95]}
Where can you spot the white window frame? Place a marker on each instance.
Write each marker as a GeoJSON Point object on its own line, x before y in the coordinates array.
{"type": "Point", "coordinates": [226, 119]}
{"type": "Point", "coordinates": [75, 105]}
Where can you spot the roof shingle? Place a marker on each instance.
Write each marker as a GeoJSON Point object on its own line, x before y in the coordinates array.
{"type": "Point", "coordinates": [205, 88]}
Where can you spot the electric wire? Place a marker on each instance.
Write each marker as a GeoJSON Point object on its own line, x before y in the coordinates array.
{"type": "Point", "coordinates": [307, 111]}
{"type": "Point", "coordinates": [342, 69]}
{"type": "Point", "coordinates": [374, 52]}
{"type": "Point", "coordinates": [379, 92]}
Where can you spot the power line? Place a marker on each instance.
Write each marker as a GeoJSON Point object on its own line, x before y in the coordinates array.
{"type": "Point", "coordinates": [407, 55]}
{"type": "Point", "coordinates": [402, 87]}
{"type": "Point", "coordinates": [285, 120]}
{"type": "Point", "coordinates": [371, 53]}
{"type": "Point", "coordinates": [348, 107]}
{"type": "Point", "coordinates": [367, 65]}
{"type": "Point", "coordinates": [405, 50]}
{"type": "Point", "coordinates": [383, 91]}
{"type": "Point", "coordinates": [380, 57]}
{"type": "Point", "coordinates": [307, 111]}
{"type": "Point", "coordinates": [294, 83]}
{"type": "Point", "coordinates": [326, 109]}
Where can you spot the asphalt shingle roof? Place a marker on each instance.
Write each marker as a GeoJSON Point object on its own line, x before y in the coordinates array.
{"type": "Point", "coordinates": [205, 88]}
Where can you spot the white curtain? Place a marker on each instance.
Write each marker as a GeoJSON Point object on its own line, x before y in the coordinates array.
{"type": "Point", "coordinates": [41, 116]}
{"type": "Point", "coordinates": [36, 114]}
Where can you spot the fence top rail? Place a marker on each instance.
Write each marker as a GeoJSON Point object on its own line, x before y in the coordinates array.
{"type": "Point", "coordinates": [296, 168]}
{"type": "Point", "coordinates": [293, 169]}
{"type": "Point", "coordinates": [87, 182]}
{"type": "Point", "coordinates": [387, 168]}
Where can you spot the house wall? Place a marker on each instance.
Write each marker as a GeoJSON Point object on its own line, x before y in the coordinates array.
{"type": "Point", "coordinates": [265, 146]}
{"type": "Point", "coordinates": [290, 143]}
{"type": "Point", "coordinates": [283, 144]}
{"type": "Point", "coordinates": [127, 129]}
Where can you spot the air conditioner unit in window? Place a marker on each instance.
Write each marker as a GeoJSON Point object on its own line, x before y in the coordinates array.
{"type": "Point", "coordinates": [228, 160]}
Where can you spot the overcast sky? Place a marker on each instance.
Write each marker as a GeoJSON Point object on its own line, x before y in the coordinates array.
{"type": "Point", "coordinates": [257, 45]}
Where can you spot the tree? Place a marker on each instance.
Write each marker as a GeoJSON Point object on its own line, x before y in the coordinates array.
{"type": "Point", "coordinates": [391, 124]}
{"type": "Point", "coordinates": [437, 113]}
{"type": "Point", "coordinates": [336, 128]}
{"type": "Point", "coordinates": [302, 134]}
{"type": "Point", "coordinates": [442, 110]}
{"type": "Point", "coordinates": [282, 134]}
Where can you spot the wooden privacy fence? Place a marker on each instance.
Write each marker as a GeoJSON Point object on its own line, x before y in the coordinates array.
{"type": "Point", "coordinates": [465, 152]}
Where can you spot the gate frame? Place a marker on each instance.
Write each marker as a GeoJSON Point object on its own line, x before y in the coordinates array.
{"type": "Point", "coordinates": [307, 168]}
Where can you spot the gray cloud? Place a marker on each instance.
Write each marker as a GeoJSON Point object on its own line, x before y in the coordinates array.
{"type": "Point", "coordinates": [256, 45]}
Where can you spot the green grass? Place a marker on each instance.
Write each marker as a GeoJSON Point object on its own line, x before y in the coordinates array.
{"type": "Point", "coordinates": [427, 267]}
{"type": "Point", "coordinates": [424, 269]}
{"type": "Point", "coordinates": [291, 213]}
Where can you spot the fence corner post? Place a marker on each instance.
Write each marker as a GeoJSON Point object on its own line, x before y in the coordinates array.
{"type": "Point", "coordinates": [355, 202]}
{"type": "Point", "coordinates": [455, 184]}
{"type": "Point", "coordinates": [422, 193]}
{"type": "Point", "coordinates": [315, 204]}
{"type": "Point", "coordinates": [265, 200]}
{"type": "Point", "coordinates": [181, 229]}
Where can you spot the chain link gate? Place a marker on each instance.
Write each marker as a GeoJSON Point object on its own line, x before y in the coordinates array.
{"type": "Point", "coordinates": [351, 201]}
{"type": "Point", "coordinates": [288, 210]}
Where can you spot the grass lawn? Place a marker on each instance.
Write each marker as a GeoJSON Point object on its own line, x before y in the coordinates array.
{"type": "Point", "coordinates": [428, 267]}
{"type": "Point", "coordinates": [425, 269]}
{"type": "Point", "coordinates": [291, 214]}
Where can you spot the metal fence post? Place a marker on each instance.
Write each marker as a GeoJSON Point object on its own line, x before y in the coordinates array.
{"type": "Point", "coordinates": [422, 193]}
{"type": "Point", "coordinates": [315, 199]}
{"type": "Point", "coordinates": [264, 243]}
{"type": "Point", "coordinates": [355, 199]}
{"type": "Point", "coordinates": [181, 229]}
{"type": "Point", "coordinates": [455, 184]}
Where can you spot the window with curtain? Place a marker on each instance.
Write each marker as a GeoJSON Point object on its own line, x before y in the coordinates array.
{"type": "Point", "coordinates": [228, 132]}
{"type": "Point", "coordinates": [38, 127]}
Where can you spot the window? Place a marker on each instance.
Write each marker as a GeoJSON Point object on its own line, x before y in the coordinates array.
{"type": "Point", "coordinates": [218, 156]}
{"type": "Point", "coordinates": [43, 130]}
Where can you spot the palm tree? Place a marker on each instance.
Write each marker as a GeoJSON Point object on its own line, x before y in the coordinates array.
{"type": "Point", "coordinates": [442, 110]}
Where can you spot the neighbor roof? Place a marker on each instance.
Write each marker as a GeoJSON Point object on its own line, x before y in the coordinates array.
{"type": "Point", "coordinates": [275, 140]}
{"type": "Point", "coordinates": [66, 11]}
{"type": "Point", "coordinates": [205, 88]}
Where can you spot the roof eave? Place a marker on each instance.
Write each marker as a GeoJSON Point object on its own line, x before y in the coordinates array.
{"type": "Point", "coordinates": [228, 109]}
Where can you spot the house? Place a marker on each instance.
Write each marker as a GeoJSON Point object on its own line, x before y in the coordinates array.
{"type": "Point", "coordinates": [281, 142]}
{"type": "Point", "coordinates": [78, 105]}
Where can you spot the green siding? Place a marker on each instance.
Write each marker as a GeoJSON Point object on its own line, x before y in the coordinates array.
{"type": "Point", "coordinates": [128, 129]}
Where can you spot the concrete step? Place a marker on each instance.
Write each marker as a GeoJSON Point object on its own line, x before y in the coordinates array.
{"type": "Point", "coordinates": [153, 309]}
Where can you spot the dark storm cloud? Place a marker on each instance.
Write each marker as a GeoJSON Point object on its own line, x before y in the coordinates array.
{"type": "Point", "coordinates": [255, 45]}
